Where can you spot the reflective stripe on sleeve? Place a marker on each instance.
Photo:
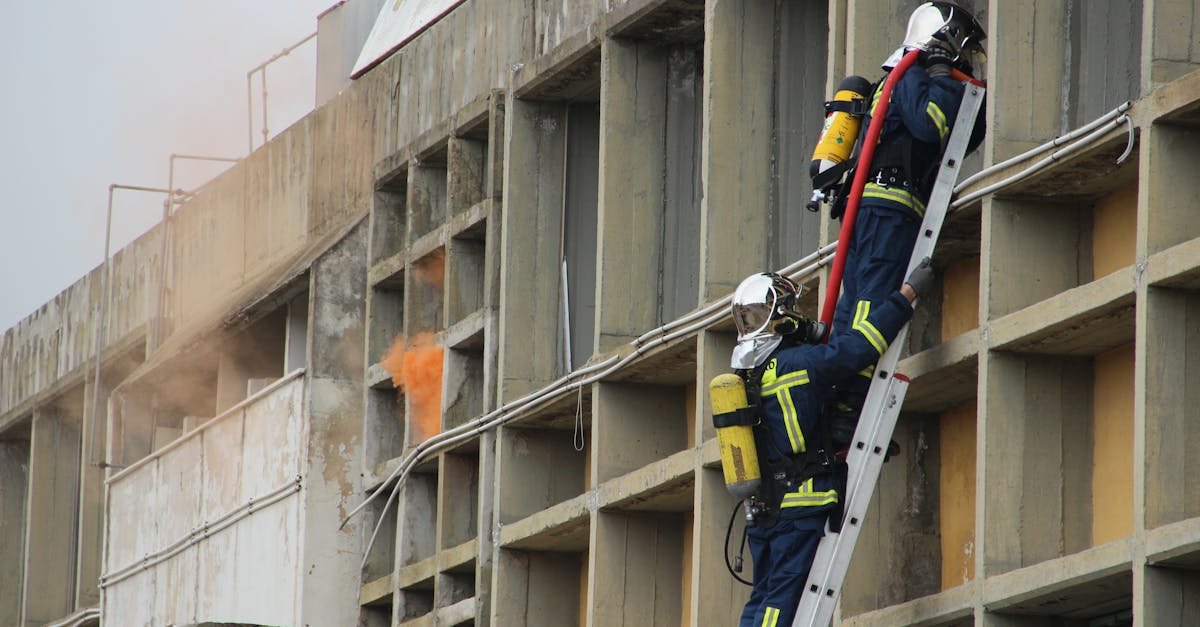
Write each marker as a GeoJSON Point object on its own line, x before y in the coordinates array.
{"type": "Point", "coordinates": [868, 330]}
{"type": "Point", "coordinates": [939, 119]}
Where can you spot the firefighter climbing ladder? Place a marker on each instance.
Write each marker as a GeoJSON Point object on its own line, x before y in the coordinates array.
{"type": "Point", "coordinates": [886, 395]}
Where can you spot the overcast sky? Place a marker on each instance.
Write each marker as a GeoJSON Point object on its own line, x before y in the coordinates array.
{"type": "Point", "coordinates": [94, 93]}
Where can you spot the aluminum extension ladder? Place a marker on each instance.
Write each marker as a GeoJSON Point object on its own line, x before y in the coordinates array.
{"type": "Point", "coordinates": [886, 395]}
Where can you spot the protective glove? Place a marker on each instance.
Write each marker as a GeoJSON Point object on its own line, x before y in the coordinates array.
{"type": "Point", "coordinates": [937, 61]}
{"type": "Point", "coordinates": [921, 278]}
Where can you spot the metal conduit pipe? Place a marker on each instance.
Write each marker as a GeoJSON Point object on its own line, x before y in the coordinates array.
{"type": "Point", "coordinates": [486, 422]}
{"type": "Point", "coordinates": [1054, 143]}
{"type": "Point", "coordinates": [1044, 163]}
{"type": "Point", "coordinates": [78, 618]}
{"type": "Point", "coordinates": [168, 208]}
{"type": "Point", "coordinates": [262, 69]}
{"type": "Point", "coordinates": [724, 300]}
{"type": "Point", "coordinates": [101, 330]}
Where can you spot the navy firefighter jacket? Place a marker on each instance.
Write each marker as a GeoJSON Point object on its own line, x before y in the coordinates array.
{"type": "Point", "coordinates": [925, 108]}
{"type": "Point", "coordinates": [797, 385]}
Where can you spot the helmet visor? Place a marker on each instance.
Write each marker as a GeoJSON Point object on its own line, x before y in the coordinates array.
{"type": "Point", "coordinates": [751, 318]}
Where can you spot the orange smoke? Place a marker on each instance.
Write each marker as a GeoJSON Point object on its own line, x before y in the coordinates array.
{"type": "Point", "coordinates": [416, 369]}
{"type": "Point", "coordinates": [431, 269]}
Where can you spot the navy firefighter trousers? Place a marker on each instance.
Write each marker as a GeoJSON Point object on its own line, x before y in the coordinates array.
{"type": "Point", "coordinates": [783, 554]}
{"type": "Point", "coordinates": [883, 241]}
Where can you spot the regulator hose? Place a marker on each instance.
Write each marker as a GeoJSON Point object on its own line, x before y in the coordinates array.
{"type": "Point", "coordinates": [728, 532]}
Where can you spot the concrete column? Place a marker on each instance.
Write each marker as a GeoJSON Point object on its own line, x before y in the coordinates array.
{"type": "Point", "coordinates": [718, 598]}
{"type": "Point", "coordinates": [738, 97]}
{"type": "Point", "coordinates": [52, 510]}
{"type": "Point", "coordinates": [14, 480]}
{"type": "Point", "coordinates": [1169, 42]}
{"type": "Point", "coordinates": [331, 461]}
{"type": "Point", "coordinates": [1026, 52]}
{"type": "Point", "coordinates": [530, 304]}
{"type": "Point", "coordinates": [632, 114]}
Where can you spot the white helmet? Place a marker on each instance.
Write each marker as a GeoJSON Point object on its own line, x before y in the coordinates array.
{"type": "Point", "coordinates": [765, 309]}
{"type": "Point", "coordinates": [946, 25]}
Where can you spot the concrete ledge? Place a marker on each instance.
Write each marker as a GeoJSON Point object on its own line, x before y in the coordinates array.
{"type": "Point", "coordinates": [387, 272]}
{"type": "Point", "coordinates": [428, 243]}
{"type": "Point", "coordinates": [420, 621]}
{"type": "Point", "coordinates": [944, 376]}
{"type": "Point", "coordinates": [1177, 544]}
{"type": "Point", "coordinates": [1086, 320]}
{"type": "Point", "coordinates": [391, 172]}
{"type": "Point", "coordinates": [377, 378]}
{"type": "Point", "coordinates": [1177, 102]}
{"type": "Point", "coordinates": [563, 527]}
{"type": "Point", "coordinates": [468, 332]}
{"type": "Point", "coordinates": [568, 71]}
{"type": "Point", "coordinates": [459, 556]}
{"type": "Point", "coordinates": [1096, 579]}
{"type": "Point", "coordinates": [663, 486]}
{"type": "Point", "coordinates": [1176, 267]}
{"type": "Point", "coordinates": [415, 574]}
{"type": "Point", "coordinates": [1090, 173]}
{"type": "Point", "coordinates": [658, 20]}
{"type": "Point", "coordinates": [472, 217]}
{"type": "Point", "coordinates": [942, 608]}
{"type": "Point", "coordinates": [458, 613]}
{"type": "Point", "coordinates": [377, 592]}
{"type": "Point", "coordinates": [373, 478]}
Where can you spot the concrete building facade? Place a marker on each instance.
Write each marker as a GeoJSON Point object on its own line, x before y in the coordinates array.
{"type": "Point", "coordinates": [554, 196]}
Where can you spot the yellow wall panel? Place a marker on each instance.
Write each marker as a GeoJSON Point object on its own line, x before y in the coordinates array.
{"type": "Point", "coordinates": [1112, 453]}
{"type": "Point", "coordinates": [960, 297]}
{"type": "Point", "coordinates": [957, 493]}
{"type": "Point", "coordinates": [1114, 227]}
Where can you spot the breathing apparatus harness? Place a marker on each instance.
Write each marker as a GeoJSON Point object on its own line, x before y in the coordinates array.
{"type": "Point", "coordinates": [788, 469]}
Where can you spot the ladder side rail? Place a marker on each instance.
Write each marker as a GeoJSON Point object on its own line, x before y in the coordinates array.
{"type": "Point", "coordinates": [878, 420]}
{"type": "Point", "coordinates": [931, 228]}
{"type": "Point", "coordinates": [823, 589]}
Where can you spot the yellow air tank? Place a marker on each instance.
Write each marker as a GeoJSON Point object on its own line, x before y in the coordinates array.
{"type": "Point", "coordinates": [843, 118]}
{"type": "Point", "coordinates": [735, 433]}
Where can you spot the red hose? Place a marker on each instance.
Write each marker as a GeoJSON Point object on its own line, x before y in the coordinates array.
{"type": "Point", "coordinates": [856, 189]}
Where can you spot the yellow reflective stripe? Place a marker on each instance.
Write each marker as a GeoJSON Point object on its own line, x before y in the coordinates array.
{"type": "Point", "coordinates": [867, 372]}
{"type": "Point", "coordinates": [939, 119]}
{"type": "Point", "coordinates": [904, 197]}
{"type": "Point", "coordinates": [770, 616]}
{"type": "Point", "coordinates": [804, 496]}
{"type": "Point", "coordinates": [868, 330]}
{"type": "Point", "coordinates": [799, 377]}
{"type": "Point", "coordinates": [780, 386]}
{"type": "Point", "coordinates": [790, 420]}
